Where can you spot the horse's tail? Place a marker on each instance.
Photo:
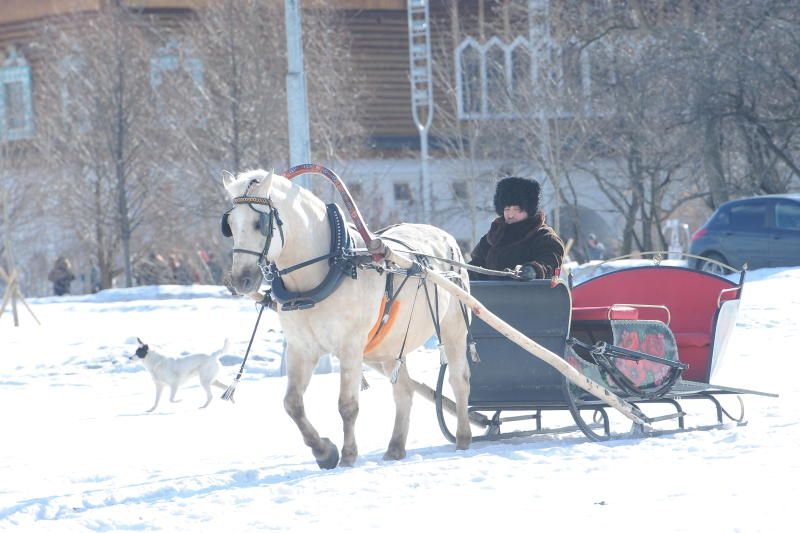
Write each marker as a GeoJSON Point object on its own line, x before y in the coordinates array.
{"type": "Point", "coordinates": [225, 348]}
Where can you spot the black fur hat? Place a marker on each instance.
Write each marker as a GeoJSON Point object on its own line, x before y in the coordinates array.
{"type": "Point", "coordinates": [517, 191]}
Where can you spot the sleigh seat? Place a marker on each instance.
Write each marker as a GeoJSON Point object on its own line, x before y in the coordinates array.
{"type": "Point", "coordinates": [699, 308]}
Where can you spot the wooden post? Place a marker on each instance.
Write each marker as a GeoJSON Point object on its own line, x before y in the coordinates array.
{"type": "Point", "coordinates": [10, 286]}
{"type": "Point", "coordinates": [12, 294]}
{"type": "Point", "coordinates": [515, 336]}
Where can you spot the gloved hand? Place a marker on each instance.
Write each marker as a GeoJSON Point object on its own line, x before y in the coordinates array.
{"type": "Point", "coordinates": [525, 272]}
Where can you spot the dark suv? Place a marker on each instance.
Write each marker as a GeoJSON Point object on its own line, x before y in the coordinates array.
{"type": "Point", "coordinates": [762, 231]}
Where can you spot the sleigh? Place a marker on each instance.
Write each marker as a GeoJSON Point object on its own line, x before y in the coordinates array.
{"type": "Point", "coordinates": [655, 336]}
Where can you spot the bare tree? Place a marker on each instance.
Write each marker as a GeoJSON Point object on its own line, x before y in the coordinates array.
{"type": "Point", "coordinates": [94, 127]}
{"type": "Point", "coordinates": [743, 80]}
{"type": "Point", "coordinates": [464, 138]}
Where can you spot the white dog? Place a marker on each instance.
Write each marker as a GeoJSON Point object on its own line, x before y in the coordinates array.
{"type": "Point", "coordinates": [173, 372]}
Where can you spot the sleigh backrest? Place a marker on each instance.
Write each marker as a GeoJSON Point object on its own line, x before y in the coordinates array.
{"type": "Point", "coordinates": [693, 298]}
{"type": "Point", "coordinates": [507, 375]}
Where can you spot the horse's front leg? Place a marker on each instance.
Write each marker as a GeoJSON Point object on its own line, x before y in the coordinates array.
{"type": "Point", "coordinates": [349, 387]}
{"type": "Point", "coordinates": [299, 371]}
{"type": "Point", "coordinates": [403, 396]}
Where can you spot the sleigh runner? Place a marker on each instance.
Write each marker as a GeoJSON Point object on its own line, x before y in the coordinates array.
{"type": "Point", "coordinates": [611, 351]}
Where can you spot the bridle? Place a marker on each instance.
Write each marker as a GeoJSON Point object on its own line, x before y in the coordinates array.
{"type": "Point", "coordinates": [341, 261]}
{"type": "Point", "coordinates": [267, 221]}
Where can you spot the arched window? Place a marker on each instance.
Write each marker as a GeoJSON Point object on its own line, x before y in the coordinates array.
{"type": "Point", "coordinates": [520, 71]}
{"type": "Point", "coordinates": [16, 103]}
{"type": "Point", "coordinates": [548, 76]}
{"type": "Point", "coordinates": [469, 78]}
{"type": "Point", "coordinates": [495, 94]}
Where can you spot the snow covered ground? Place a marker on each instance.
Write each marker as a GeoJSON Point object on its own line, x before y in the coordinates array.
{"type": "Point", "coordinates": [79, 453]}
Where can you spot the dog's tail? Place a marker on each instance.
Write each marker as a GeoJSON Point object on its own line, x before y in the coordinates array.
{"type": "Point", "coordinates": [225, 348]}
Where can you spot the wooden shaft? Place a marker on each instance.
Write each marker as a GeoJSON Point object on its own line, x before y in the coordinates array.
{"type": "Point", "coordinates": [515, 336]}
{"type": "Point", "coordinates": [447, 404]}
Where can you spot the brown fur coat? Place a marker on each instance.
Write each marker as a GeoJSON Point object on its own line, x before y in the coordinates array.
{"type": "Point", "coordinates": [529, 241]}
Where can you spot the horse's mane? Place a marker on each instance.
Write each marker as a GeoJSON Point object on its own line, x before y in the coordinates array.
{"type": "Point", "coordinates": [243, 180]}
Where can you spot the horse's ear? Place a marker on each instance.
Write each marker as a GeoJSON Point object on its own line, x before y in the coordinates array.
{"type": "Point", "coordinates": [266, 183]}
{"type": "Point", "coordinates": [227, 178]}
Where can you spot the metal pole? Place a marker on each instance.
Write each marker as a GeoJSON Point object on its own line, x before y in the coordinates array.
{"type": "Point", "coordinates": [296, 95]}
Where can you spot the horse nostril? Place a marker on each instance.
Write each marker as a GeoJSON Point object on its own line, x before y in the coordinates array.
{"type": "Point", "coordinates": [246, 282]}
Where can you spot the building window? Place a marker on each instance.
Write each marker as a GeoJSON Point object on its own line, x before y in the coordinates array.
{"type": "Point", "coordinates": [16, 103]}
{"type": "Point", "coordinates": [469, 76]}
{"type": "Point", "coordinates": [176, 77]}
{"type": "Point", "coordinates": [356, 190]}
{"type": "Point", "coordinates": [402, 192]}
{"type": "Point", "coordinates": [460, 190]}
{"type": "Point", "coordinates": [529, 76]}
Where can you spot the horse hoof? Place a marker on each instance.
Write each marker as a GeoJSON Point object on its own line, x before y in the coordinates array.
{"type": "Point", "coordinates": [329, 458]}
{"type": "Point", "coordinates": [394, 455]}
{"type": "Point", "coordinates": [347, 460]}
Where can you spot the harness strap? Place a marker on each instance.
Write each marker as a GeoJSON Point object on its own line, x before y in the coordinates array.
{"type": "Point", "coordinates": [340, 266]}
{"type": "Point", "coordinates": [400, 360]}
{"type": "Point", "coordinates": [304, 264]}
{"type": "Point", "coordinates": [388, 297]}
{"type": "Point", "coordinates": [435, 318]}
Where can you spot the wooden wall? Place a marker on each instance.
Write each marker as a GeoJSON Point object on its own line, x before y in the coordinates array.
{"type": "Point", "coordinates": [380, 54]}
{"type": "Point", "coordinates": [377, 29]}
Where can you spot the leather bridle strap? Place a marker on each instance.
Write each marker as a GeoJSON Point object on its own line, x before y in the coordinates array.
{"type": "Point", "coordinates": [274, 219]}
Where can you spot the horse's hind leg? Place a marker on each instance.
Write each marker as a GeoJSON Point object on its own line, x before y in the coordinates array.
{"type": "Point", "coordinates": [349, 387]}
{"type": "Point", "coordinates": [403, 396]}
{"type": "Point", "coordinates": [299, 372]}
{"type": "Point", "coordinates": [454, 336]}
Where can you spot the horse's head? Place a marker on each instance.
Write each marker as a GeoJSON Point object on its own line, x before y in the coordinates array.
{"type": "Point", "coordinates": [254, 224]}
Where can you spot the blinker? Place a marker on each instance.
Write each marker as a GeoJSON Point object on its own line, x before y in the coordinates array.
{"type": "Point", "coordinates": [263, 224]}
{"type": "Point", "coordinates": [226, 226]}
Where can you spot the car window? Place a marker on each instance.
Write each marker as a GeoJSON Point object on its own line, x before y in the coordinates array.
{"type": "Point", "coordinates": [787, 216]}
{"type": "Point", "coordinates": [721, 219]}
{"type": "Point", "coordinates": [751, 216]}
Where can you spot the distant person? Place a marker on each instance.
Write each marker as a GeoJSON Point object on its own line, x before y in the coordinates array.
{"type": "Point", "coordinates": [597, 252]}
{"type": "Point", "coordinates": [181, 274]}
{"type": "Point", "coordinates": [152, 270]}
{"type": "Point", "coordinates": [518, 238]}
{"type": "Point", "coordinates": [61, 275]}
{"type": "Point", "coordinates": [213, 267]}
{"type": "Point", "coordinates": [94, 278]}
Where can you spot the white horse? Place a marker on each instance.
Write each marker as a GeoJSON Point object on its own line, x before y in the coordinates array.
{"type": "Point", "coordinates": [274, 221]}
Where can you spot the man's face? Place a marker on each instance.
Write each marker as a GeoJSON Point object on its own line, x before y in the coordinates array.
{"type": "Point", "coordinates": [513, 214]}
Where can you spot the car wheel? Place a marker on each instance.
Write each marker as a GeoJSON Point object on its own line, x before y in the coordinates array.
{"type": "Point", "coordinates": [714, 267]}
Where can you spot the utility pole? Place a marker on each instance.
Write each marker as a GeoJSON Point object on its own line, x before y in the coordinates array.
{"type": "Point", "coordinates": [419, 55]}
{"type": "Point", "coordinates": [540, 42]}
{"type": "Point", "coordinates": [296, 95]}
{"type": "Point", "coordinates": [297, 107]}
